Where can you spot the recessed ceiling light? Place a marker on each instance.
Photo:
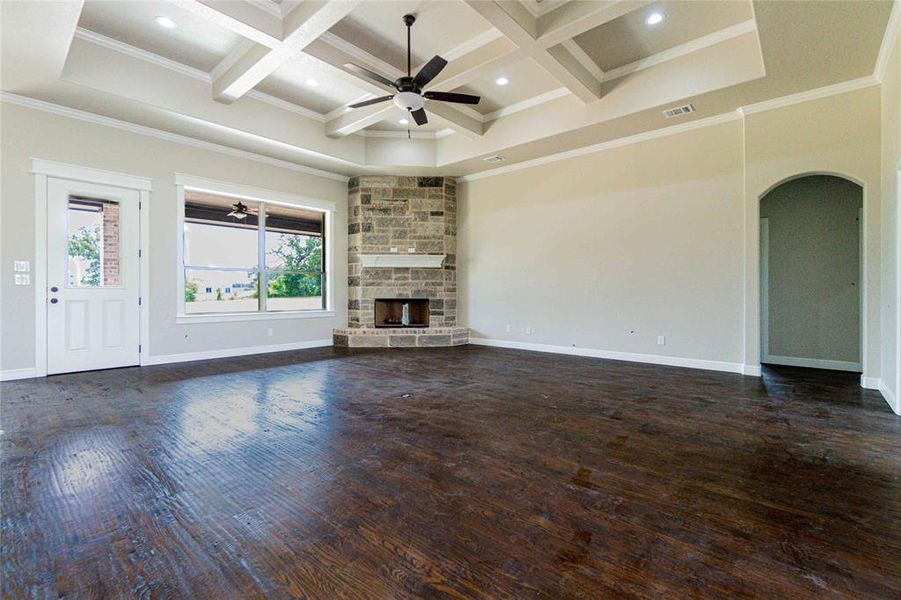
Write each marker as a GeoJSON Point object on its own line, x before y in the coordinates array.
{"type": "Point", "coordinates": [312, 82]}
{"type": "Point", "coordinates": [654, 18]}
{"type": "Point", "coordinates": [502, 81]}
{"type": "Point", "coordinates": [404, 121]}
{"type": "Point", "coordinates": [165, 22]}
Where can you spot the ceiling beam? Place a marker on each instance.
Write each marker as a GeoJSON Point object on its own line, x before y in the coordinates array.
{"type": "Point", "coordinates": [242, 18]}
{"type": "Point", "coordinates": [301, 27]}
{"type": "Point", "coordinates": [540, 38]}
{"type": "Point", "coordinates": [356, 119]}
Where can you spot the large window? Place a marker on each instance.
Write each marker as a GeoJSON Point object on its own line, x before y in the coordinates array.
{"type": "Point", "coordinates": [258, 256]}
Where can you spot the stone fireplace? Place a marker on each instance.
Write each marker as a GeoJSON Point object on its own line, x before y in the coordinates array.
{"type": "Point", "coordinates": [402, 250]}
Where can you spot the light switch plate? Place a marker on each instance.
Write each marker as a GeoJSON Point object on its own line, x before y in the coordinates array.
{"type": "Point", "coordinates": [23, 279]}
{"type": "Point", "coordinates": [21, 266]}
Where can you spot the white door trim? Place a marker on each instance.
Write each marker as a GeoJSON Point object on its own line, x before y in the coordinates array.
{"type": "Point", "coordinates": [764, 287]}
{"type": "Point", "coordinates": [752, 339]}
{"type": "Point", "coordinates": [44, 169]}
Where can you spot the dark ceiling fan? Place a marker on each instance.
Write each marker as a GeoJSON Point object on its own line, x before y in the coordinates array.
{"type": "Point", "coordinates": [409, 94]}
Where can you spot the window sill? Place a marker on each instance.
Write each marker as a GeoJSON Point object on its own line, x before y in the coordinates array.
{"type": "Point", "coordinates": [272, 316]}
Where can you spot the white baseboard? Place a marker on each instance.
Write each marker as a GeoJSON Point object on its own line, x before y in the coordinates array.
{"type": "Point", "coordinates": [812, 363]}
{"type": "Point", "coordinates": [164, 359]}
{"type": "Point", "coordinates": [11, 374]}
{"type": "Point", "coordinates": [751, 370]}
{"type": "Point", "coordinates": [870, 383]}
{"type": "Point", "coordinates": [655, 359]}
{"type": "Point", "coordinates": [890, 398]}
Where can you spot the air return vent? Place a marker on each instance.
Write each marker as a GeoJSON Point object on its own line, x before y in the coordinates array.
{"type": "Point", "coordinates": [679, 110]}
{"type": "Point", "coordinates": [495, 159]}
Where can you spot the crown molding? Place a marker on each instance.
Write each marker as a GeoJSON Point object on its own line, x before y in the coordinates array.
{"type": "Point", "coordinates": [468, 46]}
{"type": "Point", "coordinates": [528, 103]}
{"type": "Point", "coordinates": [740, 113]}
{"type": "Point", "coordinates": [888, 41]}
{"type": "Point", "coordinates": [74, 113]}
{"type": "Point", "coordinates": [583, 59]}
{"type": "Point", "coordinates": [267, 6]}
{"type": "Point", "coordinates": [160, 61]}
{"type": "Point", "coordinates": [807, 96]}
{"type": "Point", "coordinates": [389, 133]}
{"type": "Point", "coordinates": [603, 146]}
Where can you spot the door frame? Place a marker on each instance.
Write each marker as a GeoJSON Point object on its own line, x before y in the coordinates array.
{"type": "Point", "coordinates": [45, 169]}
{"type": "Point", "coordinates": [752, 349]}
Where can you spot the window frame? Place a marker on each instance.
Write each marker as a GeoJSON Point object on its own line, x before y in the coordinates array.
{"type": "Point", "coordinates": [185, 182]}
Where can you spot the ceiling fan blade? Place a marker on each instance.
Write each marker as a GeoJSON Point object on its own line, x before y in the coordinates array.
{"type": "Point", "coordinates": [364, 72]}
{"type": "Point", "coordinates": [419, 116]}
{"type": "Point", "coordinates": [429, 71]}
{"type": "Point", "coordinates": [371, 101]}
{"type": "Point", "coordinates": [452, 97]}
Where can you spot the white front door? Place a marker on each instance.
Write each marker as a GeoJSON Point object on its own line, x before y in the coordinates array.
{"type": "Point", "coordinates": [92, 276]}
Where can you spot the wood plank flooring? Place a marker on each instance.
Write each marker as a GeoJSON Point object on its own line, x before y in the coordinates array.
{"type": "Point", "coordinates": [464, 472]}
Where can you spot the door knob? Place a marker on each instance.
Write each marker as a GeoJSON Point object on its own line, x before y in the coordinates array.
{"type": "Point", "coordinates": [53, 300]}
{"type": "Point", "coordinates": [54, 289]}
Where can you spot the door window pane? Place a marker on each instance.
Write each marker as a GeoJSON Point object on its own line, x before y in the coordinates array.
{"type": "Point", "coordinates": [94, 250]}
{"type": "Point", "coordinates": [208, 291]}
{"type": "Point", "coordinates": [294, 291]}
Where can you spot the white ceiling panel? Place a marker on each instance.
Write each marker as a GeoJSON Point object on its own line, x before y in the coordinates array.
{"type": "Point", "coordinates": [310, 83]}
{"type": "Point", "coordinates": [525, 79]}
{"type": "Point", "coordinates": [194, 41]}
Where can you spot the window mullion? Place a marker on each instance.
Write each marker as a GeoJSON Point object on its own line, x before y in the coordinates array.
{"type": "Point", "coordinates": [262, 278]}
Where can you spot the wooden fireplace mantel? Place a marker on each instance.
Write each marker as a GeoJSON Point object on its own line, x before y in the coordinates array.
{"type": "Point", "coordinates": [419, 261]}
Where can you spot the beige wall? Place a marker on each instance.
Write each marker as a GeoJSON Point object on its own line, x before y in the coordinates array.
{"type": "Point", "coordinates": [612, 249]}
{"type": "Point", "coordinates": [813, 272]}
{"type": "Point", "coordinates": [27, 133]}
{"type": "Point", "coordinates": [835, 135]}
{"type": "Point", "coordinates": [659, 238]}
{"type": "Point", "coordinates": [891, 174]}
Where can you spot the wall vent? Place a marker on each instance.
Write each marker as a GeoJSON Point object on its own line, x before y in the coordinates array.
{"type": "Point", "coordinates": [679, 110]}
{"type": "Point", "coordinates": [495, 159]}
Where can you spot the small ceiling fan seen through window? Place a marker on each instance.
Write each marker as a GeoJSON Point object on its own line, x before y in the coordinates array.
{"type": "Point", "coordinates": [410, 96]}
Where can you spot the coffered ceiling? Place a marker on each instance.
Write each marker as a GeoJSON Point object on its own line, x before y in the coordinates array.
{"type": "Point", "coordinates": [269, 76]}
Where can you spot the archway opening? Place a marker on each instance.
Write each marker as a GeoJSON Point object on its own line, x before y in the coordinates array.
{"type": "Point", "coordinates": [810, 273]}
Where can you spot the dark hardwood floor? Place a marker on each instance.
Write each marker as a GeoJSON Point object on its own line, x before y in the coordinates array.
{"type": "Point", "coordinates": [456, 472]}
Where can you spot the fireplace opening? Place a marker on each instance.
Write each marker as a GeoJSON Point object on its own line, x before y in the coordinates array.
{"type": "Point", "coordinates": [402, 312]}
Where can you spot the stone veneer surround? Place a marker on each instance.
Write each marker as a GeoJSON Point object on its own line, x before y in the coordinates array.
{"type": "Point", "coordinates": [385, 212]}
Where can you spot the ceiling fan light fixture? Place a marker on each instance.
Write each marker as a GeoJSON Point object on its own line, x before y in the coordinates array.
{"type": "Point", "coordinates": [502, 81]}
{"type": "Point", "coordinates": [404, 121]}
{"type": "Point", "coordinates": [408, 101]}
{"type": "Point", "coordinates": [239, 211]}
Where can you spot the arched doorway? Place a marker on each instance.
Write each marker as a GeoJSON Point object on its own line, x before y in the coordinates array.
{"type": "Point", "coordinates": [810, 273]}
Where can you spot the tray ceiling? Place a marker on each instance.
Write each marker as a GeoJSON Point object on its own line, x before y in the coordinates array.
{"type": "Point", "coordinates": [269, 77]}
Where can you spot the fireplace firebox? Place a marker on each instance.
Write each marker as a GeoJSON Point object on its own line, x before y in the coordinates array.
{"type": "Point", "coordinates": [402, 312]}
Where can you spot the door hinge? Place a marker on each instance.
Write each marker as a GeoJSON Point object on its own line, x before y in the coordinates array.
{"type": "Point", "coordinates": [139, 253]}
{"type": "Point", "coordinates": [139, 301]}
{"type": "Point", "coordinates": [139, 205]}
{"type": "Point", "coordinates": [139, 348]}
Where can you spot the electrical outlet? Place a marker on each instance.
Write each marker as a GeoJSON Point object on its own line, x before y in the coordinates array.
{"type": "Point", "coordinates": [23, 279]}
{"type": "Point", "coordinates": [661, 340]}
{"type": "Point", "coordinates": [508, 328]}
{"type": "Point", "coordinates": [21, 266]}
{"type": "Point", "coordinates": [269, 332]}
{"type": "Point", "coordinates": [529, 330]}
